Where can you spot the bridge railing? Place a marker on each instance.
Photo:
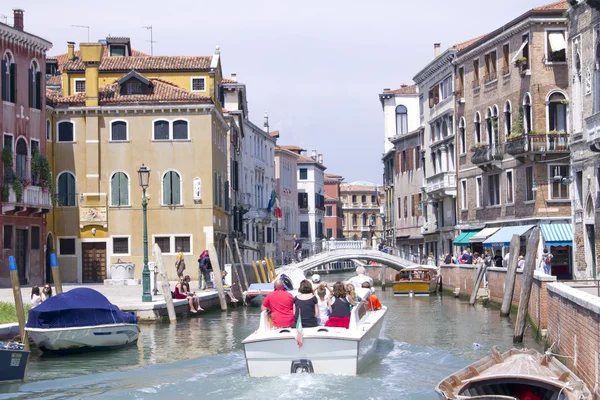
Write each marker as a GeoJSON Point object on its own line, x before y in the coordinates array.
{"type": "Point", "coordinates": [311, 249]}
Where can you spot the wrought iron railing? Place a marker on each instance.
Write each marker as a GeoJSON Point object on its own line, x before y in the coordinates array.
{"type": "Point", "coordinates": [538, 143]}
{"type": "Point", "coordinates": [488, 153]}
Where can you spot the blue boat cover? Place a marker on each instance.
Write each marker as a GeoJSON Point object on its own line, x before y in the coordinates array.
{"type": "Point", "coordinates": [77, 307]}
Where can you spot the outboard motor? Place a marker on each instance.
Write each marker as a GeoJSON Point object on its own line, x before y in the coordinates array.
{"type": "Point", "coordinates": [287, 282]}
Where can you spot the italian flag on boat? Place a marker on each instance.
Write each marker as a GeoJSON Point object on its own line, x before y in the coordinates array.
{"type": "Point", "coordinates": [299, 335]}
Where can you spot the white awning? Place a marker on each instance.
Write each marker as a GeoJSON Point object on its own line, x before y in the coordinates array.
{"type": "Point", "coordinates": [557, 41]}
{"type": "Point", "coordinates": [519, 52]}
{"type": "Point", "coordinates": [483, 234]}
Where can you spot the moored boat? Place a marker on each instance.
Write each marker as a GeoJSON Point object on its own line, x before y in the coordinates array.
{"type": "Point", "coordinates": [324, 350]}
{"type": "Point", "coordinates": [512, 375]}
{"type": "Point", "coordinates": [80, 320]}
{"type": "Point", "coordinates": [13, 361]}
{"type": "Point", "coordinates": [419, 280]}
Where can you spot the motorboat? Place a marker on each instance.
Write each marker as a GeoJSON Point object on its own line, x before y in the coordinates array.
{"type": "Point", "coordinates": [13, 361]}
{"type": "Point", "coordinates": [292, 276]}
{"type": "Point", "coordinates": [80, 320]}
{"type": "Point", "coordinates": [418, 280]}
{"type": "Point", "coordinates": [324, 350]}
{"type": "Point", "coordinates": [517, 373]}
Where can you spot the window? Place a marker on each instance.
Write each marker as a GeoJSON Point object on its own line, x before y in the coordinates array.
{"type": "Point", "coordinates": [66, 189]}
{"type": "Point", "coordinates": [527, 113]}
{"type": "Point", "coordinates": [120, 245]}
{"type": "Point", "coordinates": [373, 199]}
{"type": "Point", "coordinates": [507, 119]}
{"type": "Point", "coordinates": [119, 189]}
{"type": "Point", "coordinates": [446, 87]}
{"type": "Point", "coordinates": [171, 189]}
{"type": "Point", "coordinates": [118, 131]}
{"type": "Point", "coordinates": [66, 246]}
{"type": "Point", "coordinates": [529, 192]}
{"type": "Point", "coordinates": [579, 185]}
{"type": "Point", "coordinates": [180, 130]}
{"type": "Point", "coordinates": [303, 174]}
{"type": "Point", "coordinates": [490, 67]}
{"type": "Point", "coordinates": [434, 96]}
{"type": "Point", "coordinates": [184, 243]}
{"type": "Point", "coordinates": [364, 220]}
{"type": "Point", "coordinates": [79, 85]}
{"type": "Point", "coordinates": [556, 46]}
{"type": "Point", "coordinates": [66, 131]}
{"type": "Point", "coordinates": [329, 233]}
{"type": "Point", "coordinates": [399, 202]}
{"type": "Point", "coordinates": [464, 199]}
{"type": "Point", "coordinates": [363, 198]}
{"type": "Point", "coordinates": [525, 50]}
{"type": "Point", "coordinates": [401, 120]}
{"type": "Point", "coordinates": [505, 59]}
{"type": "Point", "coordinates": [405, 205]}
{"type": "Point", "coordinates": [303, 200]}
{"type": "Point", "coordinates": [117, 50]}
{"type": "Point", "coordinates": [461, 82]}
{"type": "Point", "coordinates": [510, 190]}
{"type": "Point", "coordinates": [161, 130]}
{"type": "Point", "coordinates": [8, 72]}
{"type": "Point", "coordinates": [198, 84]}
{"type": "Point", "coordinates": [7, 238]}
{"type": "Point", "coordinates": [35, 238]}
{"type": "Point", "coordinates": [354, 198]}
{"type": "Point", "coordinates": [304, 229]}
{"type": "Point", "coordinates": [494, 190]}
{"type": "Point", "coordinates": [164, 242]}
{"type": "Point", "coordinates": [477, 129]}
{"type": "Point", "coordinates": [421, 105]}
{"type": "Point", "coordinates": [476, 73]}
{"type": "Point", "coordinates": [479, 191]}
{"type": "Point", "coordinates": [557, 112]}
{"type": "Point", "coordinates": [134, 86]}
{"type": "Point", "coordinates": [462, 136]}
{"type": "Point", "coordinates": [560, 190]}
{"type": "Point", "coordinates": [417, 157]}
{"type": "Point", "coordinates": [328, 211]}
{"type": "Point", "coordinates": [35, 78]}
{"type": "Point", "coordinates": [21, 153]}
{"type": "Point", "coordinates": [48, 130]}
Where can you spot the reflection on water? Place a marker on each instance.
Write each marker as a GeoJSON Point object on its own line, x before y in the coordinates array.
{"type": "Point", "coordinates": [424, 340]}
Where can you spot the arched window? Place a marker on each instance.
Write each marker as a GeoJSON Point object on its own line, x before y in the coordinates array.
{"type": "Point", "coordinates": [477, 130]}
{"type": "Point", "coordinates": [364, 219]}
{"type": "Point", "coordinates": [401, 120]}
{"type": "Point", "coordinates": [557, 112]}
{"type": "Point", "coordinates": [489, 125]}
{"type": "Point", "coordinates": [507, 118]}
{"type": "Point", "coordinates": [180, 130]}
{"type": "Point", "coordinates": [354, 198]}
{"type": "Point", "coordinates": [35, 78]}
{"type": "Point", "coordinates": [462, 135]}
{"type": "Point", "coordinates": [444, 130]}
{"type": "Point", "coordinates": [66, 189]}
{"type": "Point", "coordinates": [161, 130]}
{"type": "Point", "coordinates": [119, 189]}
{"type": "Point", "coordinates": [48, 130]}
{"type": "Point", "coordinates": [527, 121]}
{"type": "Point", "coordinates": [21, 153]}
{"type": "Point", "coordinates": [171, 186]}
{"type": "Point", "coordinates": [66, 132]}
{"type": "Point", "coordinates": [363, 198]}
{"type": "Point", "coordinates": [118, 131]}
{"type": "Point", "coordinates": [8, 73]}
{"type": "Point", "coordinates": [354, 219]}
{"type": "Point", "coordinates": [576, 91]}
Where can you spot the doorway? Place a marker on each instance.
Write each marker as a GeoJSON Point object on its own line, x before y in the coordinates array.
{"type": "Point", "coordinates": [591, 236]}
{"type": "Point", "coordinates": [21, 254]}
{"type": "Point", "coordinates": [49, 251]}
{"type": "Point", "coordinates": [93, 262]}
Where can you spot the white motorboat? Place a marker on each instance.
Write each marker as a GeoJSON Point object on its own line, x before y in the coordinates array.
{"type": "Point", "coordinates": [325, 350]}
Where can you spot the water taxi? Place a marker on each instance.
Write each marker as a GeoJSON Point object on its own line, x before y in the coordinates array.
{"type": "Point", "coordinates": [419, 280]}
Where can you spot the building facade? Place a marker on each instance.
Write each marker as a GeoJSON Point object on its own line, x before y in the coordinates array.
{"type": "Point", "coordinates": [362, 210]}
{"type": "Point", "coordinates": [334, 217]}
{"type": "Point", "coordinates": [26, 198]}
{"type": "Point", "coordinates": [286, 172]}
{"type": "Point", "coordinates": [311, 194]}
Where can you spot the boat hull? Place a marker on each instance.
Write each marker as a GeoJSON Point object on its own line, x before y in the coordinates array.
{"type": "Point", "coordinates": [418, 288]}
{"type": "Point", "coordinates": [86, 338]}
{"type": "Point", "coordinates": [13, 364]}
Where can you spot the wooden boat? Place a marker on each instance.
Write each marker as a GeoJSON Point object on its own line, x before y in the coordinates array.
{"type": "Point", "coordinates": [513, 375]}
{"type": "Point", "coordinates": [419, 280]}
{"type": "Point", "coordinates": [13, 361]}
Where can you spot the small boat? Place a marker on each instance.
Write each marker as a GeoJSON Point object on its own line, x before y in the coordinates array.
{"type": "Point", "coordinates": [419, 280]}
{"type": "Point", "coordinates": [80, 320]}
{"type": "Point", "coordinates": [324, 350]}
{"type": "Point", "coordinates": [513, 375]}
{"type": "Point", "coordinates": [291, 276]}
{"type": "Point", "coordinates": [13, 361]}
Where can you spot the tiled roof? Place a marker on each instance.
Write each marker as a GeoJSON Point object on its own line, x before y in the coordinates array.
{"type": "Point", "coordinates": [54, 80]}
{"type": "Point", "coordinates": [291, 147]}
{"type": "Point", "coordinates": [162, 92]}
{"type": "Point", "coordinates": [466, 44]}
{"type": "Point", "coordinates": [274, 134]}
{"type": "Point", "coordinates": [61, 59]}
{"type": "Point", "coordinates": [227, 80]}
{"type": "Point", "coordinates": [556, 6]}
{"type": "Point", "coordinates": [147, 63]}
{"type": "Point", "coordinates": [333, 178]}
{"type": "Point", "coordinates": [404, 89]}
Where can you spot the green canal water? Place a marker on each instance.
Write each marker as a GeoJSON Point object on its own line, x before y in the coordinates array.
{"type": "Point", "coordinates": [423, 340]}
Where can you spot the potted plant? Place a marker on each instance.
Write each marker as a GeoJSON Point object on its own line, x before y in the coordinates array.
{"type": "Point", "coordinates": [478, 146]}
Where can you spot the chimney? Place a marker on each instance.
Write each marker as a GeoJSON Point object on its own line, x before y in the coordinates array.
{"type": "Point", "coordinates": [234, 76]}
{"type": "Point", "coordinates": [386, 89]}
{"type": "Point", "coordinates": [70, 51]}
{"type": "Point", "coordinates": [436, 50]}
{"type": "Point", "coordinates": [91, 55]}
{"type": "Point", "coordinates": [320, 158]}
{"type": "Point", "coordinates": [313, 155]}
{"type": "Point", "coordinates": [403, 85]}
{"type": "Point", "coordinates": [18, 18]}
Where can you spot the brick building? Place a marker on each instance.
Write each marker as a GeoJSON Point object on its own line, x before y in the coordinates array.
{"type": "Point", "coordinates": [25, 197]}
{"type": "Point", "coordinates": [512, 144]}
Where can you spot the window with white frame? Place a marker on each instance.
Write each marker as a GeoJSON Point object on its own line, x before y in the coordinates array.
{"type": "Point", "coordinates": [66, 190]}
{"type": "Point", "coordinates": [198, 84]}
{"type": "Point", "coordinates": [119, 190]}
{"type": "Point", "coordinates": [527, 121]}
{"type": "Point", "coordinates": [120, 245]}
{"type": "Point", "coordinates": [507, 119]}
{"type": "Point", "coordinates": [494, 190]}
{"type": "Point", "coordinates": [118, 131]}
{"type": "Point", "coordinates": [48, 130]}
{"type": "Point", "coordinates": [175, 130]}
{"type": "Point", "coordinates": [35, 85]}
{"type": "Point", "coordinates": [560, 186]}
{"type": "Point", "coordinates": [9, 77]}
{"type": "Point", "coordinates": [556, 45]}
{"type": "Point", "coordinates": [529, 182]}
{"type": "Point", "coordinates": [79, 85]}
{"type": "Point", "coordinates": [180, 130]}
{"type": "Point", "coordinates": [184, 243]}
{"type": "Point", "coordinates": [557, 112]}
{"type": "Point", "coordinates": [464, 199]}
{"type": "Point", "coordinates": [446, 88]}
{"type": "Point", "coordinates": [66, 246]}
{"type": "Point", "coordinates": [463, 135]}
{"type": "Point", "coordinates": [479, 191]}
{"type": "Point", "coordinates": [510, 188]}
{"type": "Point", "coordinates": [401, 120]}
{"type": "Point", "coordinates": [164, 242]}
{"type": "Point", "coordinates": [171, 186]}
{"type": "Point", "coordinates": [477, 130]}
{"type": "Point", "coordinates": [66, 132]}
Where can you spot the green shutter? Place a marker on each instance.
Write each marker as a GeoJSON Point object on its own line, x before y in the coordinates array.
{"type": "Point", "coordinates": [167, 188]}
{"type": "Point", "coordinates": [3, 70]}
{"type": "Point", "coordinates": [175, 187]}
{"type": "Point", "coordinates": [70, 190]}
{"type": "Point", "coordinates": [31, 86]}
{"type": "Point", "coordinates": [123, 189]}
{"type": "Point", "coordinates": [114, 188]}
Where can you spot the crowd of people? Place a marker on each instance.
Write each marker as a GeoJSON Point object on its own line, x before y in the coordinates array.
{"type": "Point", "coordinates": [317, 303]}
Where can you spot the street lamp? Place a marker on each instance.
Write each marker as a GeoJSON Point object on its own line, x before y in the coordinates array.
{"type": "Point", "coordinates": [144, 176]}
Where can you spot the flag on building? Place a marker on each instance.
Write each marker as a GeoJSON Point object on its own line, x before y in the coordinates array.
{"type": "Point", "coordinates": [271, 201]}
{"type": "Point", "coordinates": [377, 195]}
{"type": "Point", "coordinates": [299, 335]}
{"type": "Point", "coordinates": [277, 210]}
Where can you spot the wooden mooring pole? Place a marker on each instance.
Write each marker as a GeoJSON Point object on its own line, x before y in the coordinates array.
{"type": "Point", "coordinates": [241, 261]}
{"type": "Point", "coordinates": [478, 277]}
{"type": "Point", "coordinates": [511, 275]}
{"type": "Point", "coordinates": [235, 271]}
{"type": "Point", "coordinates": [530, 257]}
{"type": "Point", "coordinates": [214, 260]}
{"type": "Point", "coordinates": [56, 274]}
{"type": "Point", "coordinates": [164, 283]}
{"type": "Point", "coordinates": [14, 278]}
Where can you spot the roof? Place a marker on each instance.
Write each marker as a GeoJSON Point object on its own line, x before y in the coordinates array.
{"type": "Point", "coordinates": [274, 134]}
{"type": "Point", "coordinates": [292, 147]}
{"type": "Point", "coordinates": [146, 63]}
{"type": "Point", "coordinates": [61, 59]}
{"type": "Point", "coordinates": [161, 92]}
{"type": "Point", "coordinates": [404, 89]}
{"type": "Point", "coordinates": [556, 6]}
{"type": "Point", "coordinates": [228, 80]}
{"type": "Point", "coordinates": [54, 80]}
{"type": "Point", "coordinates": [333, 178]}
{"type": "Point", "coordinates": [466, 44]}
{"type": "Point", "coordinates": [288, 152]}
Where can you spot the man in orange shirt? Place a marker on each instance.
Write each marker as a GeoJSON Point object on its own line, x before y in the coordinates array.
{"type": "Point", "coordinates": [373, 302]}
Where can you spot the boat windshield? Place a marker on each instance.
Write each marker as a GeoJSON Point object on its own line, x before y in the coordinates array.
{"type": "Point", "coordinates": [414, 275]}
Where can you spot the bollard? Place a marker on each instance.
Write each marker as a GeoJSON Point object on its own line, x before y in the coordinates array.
{"type": "Point", "coordinates": [256, 273]}
{"type": "Point", "coordinates": [262, 271]}
{"type": "Point", "coordinates": [270, 272]}
{"type": "Point", "coordinates": [214, 260]}
{"type": "Point", "coordinates": [273, 268]}
{"type": "Point", "coordinates": [14, 278]}
{"type": "Point", "coordinates": [56, 274]}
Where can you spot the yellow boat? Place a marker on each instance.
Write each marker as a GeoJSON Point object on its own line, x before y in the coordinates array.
{"type": "Point", "coordinates": [419, 280]}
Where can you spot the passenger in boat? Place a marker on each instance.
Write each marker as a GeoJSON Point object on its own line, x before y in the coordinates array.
{"type": "Point", "coordinates": [180, 294]}
{"type": "Point", "coordinates": [339, 315]}
{"type": "Point", "coordinates": [46, 292]}
{"type": "Point", "coordinates": [324, 303]}
{"type": "Point", "coordinates": [281, 304]}
{"type": "Point", "coordinates": [316, 281]}
{"type": "Point", "coordinates": [525, 392]}
{"type": "Point", "coordinates": [36, 298]}
{"type": "Point", "coordinates": [373, 302]}
{"type": "Point", "coordinates": [306, 306]}
{"type": "Point", "coordinates": [186, 289]}
{"type": "Point", "coordinates": [352, 298]}
{"type": "Point", "coordinates": [360, 277]}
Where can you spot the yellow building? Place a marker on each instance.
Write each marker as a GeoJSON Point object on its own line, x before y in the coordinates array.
{"type": "Point", "coordinates": [116, 110]}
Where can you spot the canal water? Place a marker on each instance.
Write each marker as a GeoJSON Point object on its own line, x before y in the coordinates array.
{"type": "Point", "coordinates": [423, 340]}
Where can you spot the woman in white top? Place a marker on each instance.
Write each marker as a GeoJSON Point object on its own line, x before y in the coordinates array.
{"type": "Point", "coordinates": [36, 298]}
{"type": "Point", "coordinates": [323, 302]}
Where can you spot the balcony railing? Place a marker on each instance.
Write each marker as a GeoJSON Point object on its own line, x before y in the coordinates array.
{"type": "Point", "coordinates": [33, 196]}
{"type": "Point", "coordinates": [441, 181]}
{"type": "Point", "coordinates": [486, 154]}
{"type": "Point", "coordinates": [593, 128]}
{"type": "Point", "coordinates": [538, 143]}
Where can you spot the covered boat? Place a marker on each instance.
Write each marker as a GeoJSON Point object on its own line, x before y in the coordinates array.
{"type": "Point", "coordinates": [324, 350]}
{"type": "Point", "coordinates": [516, 374]}
{"type": "Point", "coordinates": [79, 320]}
{"type": "Point", "coordinates": [13, 361]}
{"type": "Point", "coordinates": [419, 280]}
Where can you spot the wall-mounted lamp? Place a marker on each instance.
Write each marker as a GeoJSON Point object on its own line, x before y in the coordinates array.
{"type": "Point", "coordinates": [81, 198]}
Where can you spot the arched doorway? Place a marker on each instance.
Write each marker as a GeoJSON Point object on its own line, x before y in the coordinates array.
{"type": "Point", "coordinates": [49, 250]}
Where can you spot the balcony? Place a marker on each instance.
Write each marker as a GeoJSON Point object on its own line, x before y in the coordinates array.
{"type": "Point", "coordinates": [441, 184]}
{"type": "Point", "coordinates": [487, 156]}
{"type": "Point", "coordinates": [530, 145]}
{"type": "Point", "coordinates": [34, 200]}
{"type": "Point", "coordinates": [592, 125]}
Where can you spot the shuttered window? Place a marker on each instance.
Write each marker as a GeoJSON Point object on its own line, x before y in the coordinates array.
{"type": "Point", "coordinates": [9, 78]}
{"type": "Point", "coordinates": [66, 190]}
{"type": "Point", "coordinates": [34, 87]}
{"type": "Point", "coordinates": [119, 188]}
{"type": "Point", "coordinates": [161, 130]}
{"type": "Point", "coordinates": [180, 130]}
{"type": "Point", "coordinates": [65, 132]}
{"type": "Point", "coordinates": [118, 131]}
{"type": "Point", "coordinates": [171, 188]}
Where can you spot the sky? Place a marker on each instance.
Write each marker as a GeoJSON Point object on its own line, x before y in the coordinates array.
{"type": "Point", "coordinates": [316, 67]}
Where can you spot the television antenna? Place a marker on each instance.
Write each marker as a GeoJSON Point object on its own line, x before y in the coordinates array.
{"type": "Point", "coordinates": [83, 26]}
{"type": "Point", "coordinates": [152, 41]}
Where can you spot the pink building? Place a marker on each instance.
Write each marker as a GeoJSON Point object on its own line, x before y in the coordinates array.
{"type": "Point", "coordinates": [286, 169]}
{"type": "Point", "coordinates": [334, 217]}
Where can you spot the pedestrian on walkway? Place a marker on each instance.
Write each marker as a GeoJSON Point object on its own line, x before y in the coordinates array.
{"type": "Point", "coordinates": [179, 263]}
{"type": "Point", "coordinates": [546, 262]}
{"type": "Point", "coordinates": [205, 270]}
{"type": "Point", "coordinates": [46, 292]}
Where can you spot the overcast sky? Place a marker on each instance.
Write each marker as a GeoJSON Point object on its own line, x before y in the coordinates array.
{"type": "Point", "coordinates": [316, 67]}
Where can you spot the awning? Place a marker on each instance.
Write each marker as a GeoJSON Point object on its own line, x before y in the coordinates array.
{"type": "Point", "coordinates": [463, 238]}
{"type": "Point", "coordinates": [519, 52]}
{"type": "Point", "coordinates": [483, 234]}
{"type": "Point", "coordinates": [557, 234]}
{"type": "Point", "coordinates": [503, 237]}
{"type": "Point", "coordinates": [557, 41]}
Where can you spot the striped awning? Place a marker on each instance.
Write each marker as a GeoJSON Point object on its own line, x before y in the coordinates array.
{"type": "Point", "coordinates": [483, 234]}
{"type": "Point", "coordinates": [557, 234]}
{"type": "Point", "coordinates": [503, 237]}
{"type": "Point", "coordinates": [463, 238]}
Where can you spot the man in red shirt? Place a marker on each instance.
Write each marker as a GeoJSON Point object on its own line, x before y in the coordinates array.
{"type": "Point", "coordinates": [281, 304]}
